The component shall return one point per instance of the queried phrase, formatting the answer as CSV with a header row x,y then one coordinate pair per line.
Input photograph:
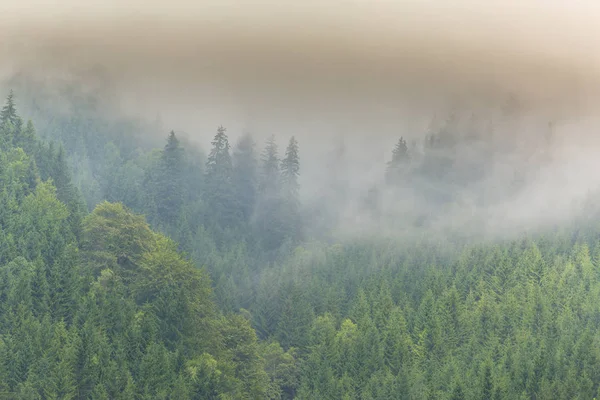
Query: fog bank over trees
x,y
299,200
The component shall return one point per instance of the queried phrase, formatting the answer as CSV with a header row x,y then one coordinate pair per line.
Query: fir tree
x,y
219,164
270,174
487,385
290,170
65,190
457,392
169,193
400,159
219,188
26,139
245,176
271,211
9,111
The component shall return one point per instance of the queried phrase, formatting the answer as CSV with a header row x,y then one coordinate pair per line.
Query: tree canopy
x,y
136,270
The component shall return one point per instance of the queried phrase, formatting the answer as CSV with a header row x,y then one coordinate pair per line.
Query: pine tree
x,y
11,124
61,355
219,188
396,341
457,392
65,190
9,111
271,213
156,372
28,139
61,177
219,164
4,357
109,181
99,393
128,392
63,279
296,316
169,192
290,171
399,162
487,385
245,176
270,177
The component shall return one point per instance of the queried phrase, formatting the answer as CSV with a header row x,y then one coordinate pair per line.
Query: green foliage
x,y
219,190
104,305
9,111
169,192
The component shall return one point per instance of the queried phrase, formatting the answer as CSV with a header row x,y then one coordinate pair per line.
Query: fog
x,y
353,73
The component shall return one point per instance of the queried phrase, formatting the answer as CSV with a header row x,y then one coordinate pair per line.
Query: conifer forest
x,y
141,269
299,200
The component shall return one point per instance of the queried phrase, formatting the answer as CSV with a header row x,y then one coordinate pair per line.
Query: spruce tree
x,y
65,190
219,189
219,165
9,111
270,178
26,139
487,385
290,171
458,392
10,123
271,213
245,176
62,177
400,159
296,316
169,193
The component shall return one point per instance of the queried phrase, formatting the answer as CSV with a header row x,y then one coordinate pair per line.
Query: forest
x,y
133,267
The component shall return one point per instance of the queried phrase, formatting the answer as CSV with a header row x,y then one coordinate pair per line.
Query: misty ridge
x,y
498,126
498,130
471,170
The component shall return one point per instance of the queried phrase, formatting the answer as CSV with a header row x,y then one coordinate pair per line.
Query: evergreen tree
x,y
219,188
397,166
109,183
61,177
219,164
245,177
296,315
290,171
270,174
169,192
26,139
65,190
271,213
487,385
457,392
9,111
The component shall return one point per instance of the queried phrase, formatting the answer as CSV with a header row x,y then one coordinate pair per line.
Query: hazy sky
x,y
355,67
365,70
326,56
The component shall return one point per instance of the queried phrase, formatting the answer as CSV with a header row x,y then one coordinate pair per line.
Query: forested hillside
x,y
130,271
